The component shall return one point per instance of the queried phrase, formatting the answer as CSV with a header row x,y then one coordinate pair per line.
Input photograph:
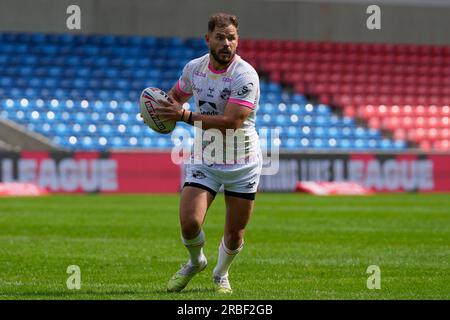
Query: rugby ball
x,y
148,101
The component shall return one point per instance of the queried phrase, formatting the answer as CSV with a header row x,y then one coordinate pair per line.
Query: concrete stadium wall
x,y
402,21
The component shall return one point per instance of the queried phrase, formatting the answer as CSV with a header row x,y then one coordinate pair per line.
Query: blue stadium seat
x,y
292,143
82,88
386,144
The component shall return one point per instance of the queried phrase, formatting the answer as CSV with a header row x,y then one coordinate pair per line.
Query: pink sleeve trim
x,y
242,102
181,90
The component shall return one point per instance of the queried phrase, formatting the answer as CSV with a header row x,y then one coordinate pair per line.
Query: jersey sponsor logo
x,y
250,185
209,113
225,93
200,74
197,174
202,103
196,89
246,89
207,105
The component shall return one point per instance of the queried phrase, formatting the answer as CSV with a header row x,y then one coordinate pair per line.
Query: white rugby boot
x,y
222,284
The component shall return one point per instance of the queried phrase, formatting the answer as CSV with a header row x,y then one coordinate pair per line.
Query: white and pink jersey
x,y
213,89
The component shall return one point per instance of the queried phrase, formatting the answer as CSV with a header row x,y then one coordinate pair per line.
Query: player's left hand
x,y
169,110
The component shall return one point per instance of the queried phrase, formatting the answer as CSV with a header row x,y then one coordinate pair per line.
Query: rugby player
x,y
226,92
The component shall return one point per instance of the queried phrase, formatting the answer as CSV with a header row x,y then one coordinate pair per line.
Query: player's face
x,y
222,43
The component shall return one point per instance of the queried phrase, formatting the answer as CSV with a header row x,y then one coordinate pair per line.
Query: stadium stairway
x,y
81,90
15,137
6,147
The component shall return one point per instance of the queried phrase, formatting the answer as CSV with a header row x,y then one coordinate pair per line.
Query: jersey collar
x,y
211,68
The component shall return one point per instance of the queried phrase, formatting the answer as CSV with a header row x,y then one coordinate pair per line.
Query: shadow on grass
x,y
189,291
95,294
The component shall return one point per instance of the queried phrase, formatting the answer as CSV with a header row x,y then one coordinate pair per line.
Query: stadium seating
x,y
400,89
82,91
428,126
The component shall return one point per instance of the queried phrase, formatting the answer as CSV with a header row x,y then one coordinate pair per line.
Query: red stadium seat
x,y
425,145
350,111
300,87
442,145
374,123
325,99
419,122
407,123
288,46
394,110
405,87
400,134
432,134
391,123
368,111
275,76
407,110
432,122
419,110
444,133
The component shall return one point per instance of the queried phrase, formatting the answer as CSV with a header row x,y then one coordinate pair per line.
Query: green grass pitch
x,y
297,247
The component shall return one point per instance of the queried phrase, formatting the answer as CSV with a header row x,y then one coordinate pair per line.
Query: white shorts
x,y
239,180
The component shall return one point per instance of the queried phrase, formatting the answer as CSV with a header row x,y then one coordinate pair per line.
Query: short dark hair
x,y
221,20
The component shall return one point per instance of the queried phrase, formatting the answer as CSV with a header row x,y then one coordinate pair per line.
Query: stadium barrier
x,y
154,172
105,172
381,172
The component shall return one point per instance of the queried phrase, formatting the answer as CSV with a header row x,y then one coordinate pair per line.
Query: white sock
x,y
225,259
195,248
